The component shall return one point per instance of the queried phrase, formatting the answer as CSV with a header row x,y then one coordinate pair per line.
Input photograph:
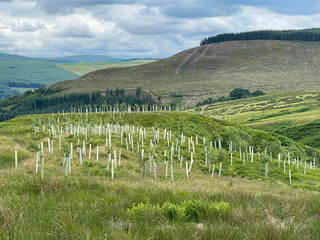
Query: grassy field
x,y
295,115
214,70
88,203
86,67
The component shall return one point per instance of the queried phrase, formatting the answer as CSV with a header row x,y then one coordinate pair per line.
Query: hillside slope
x,y
295,115
150,192
82,68
18,73
214,70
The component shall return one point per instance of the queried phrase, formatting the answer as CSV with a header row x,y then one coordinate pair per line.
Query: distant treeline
x,y
25,85
236,93
312,34
5,90
48,100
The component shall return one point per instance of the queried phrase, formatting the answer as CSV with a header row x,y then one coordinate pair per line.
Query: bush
x,y
188,210
219,209
236,93
174,212
239,93
145,211
194,209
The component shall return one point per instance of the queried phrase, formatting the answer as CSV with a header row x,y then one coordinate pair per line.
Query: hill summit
x,y
311,34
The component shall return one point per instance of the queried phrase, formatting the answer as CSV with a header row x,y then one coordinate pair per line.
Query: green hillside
x,y
94,198
81,68
295,115
14,57
38,72
214,70
18,73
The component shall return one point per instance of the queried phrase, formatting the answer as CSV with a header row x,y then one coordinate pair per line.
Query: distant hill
x,y
14,57
214,70
83,58
18,74
82,68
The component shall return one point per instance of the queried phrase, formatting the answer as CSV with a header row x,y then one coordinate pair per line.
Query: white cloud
x,y
125,30
79,26
21,26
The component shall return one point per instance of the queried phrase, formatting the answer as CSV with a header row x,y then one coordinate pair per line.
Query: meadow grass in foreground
x,y
87,203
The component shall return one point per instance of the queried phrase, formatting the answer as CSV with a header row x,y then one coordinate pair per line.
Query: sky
x,y
140,28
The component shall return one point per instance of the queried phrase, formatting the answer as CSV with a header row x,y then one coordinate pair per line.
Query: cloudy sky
x,y
138,28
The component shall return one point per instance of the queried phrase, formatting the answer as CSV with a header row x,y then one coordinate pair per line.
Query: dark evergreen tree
x,y
312,34
46,100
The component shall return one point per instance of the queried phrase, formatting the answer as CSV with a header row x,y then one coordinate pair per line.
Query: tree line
x,y
48,100
235,94
25,84
312,34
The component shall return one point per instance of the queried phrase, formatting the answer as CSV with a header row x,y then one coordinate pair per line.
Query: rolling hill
x,y
94,195
82,68
214,70
295,114
83,58
18,73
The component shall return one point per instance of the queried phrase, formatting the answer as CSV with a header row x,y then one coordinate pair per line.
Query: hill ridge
x,y
214,70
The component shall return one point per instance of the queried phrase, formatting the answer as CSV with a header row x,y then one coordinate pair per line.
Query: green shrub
x,y
174,212
144,211
194,209
219,209
188,210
